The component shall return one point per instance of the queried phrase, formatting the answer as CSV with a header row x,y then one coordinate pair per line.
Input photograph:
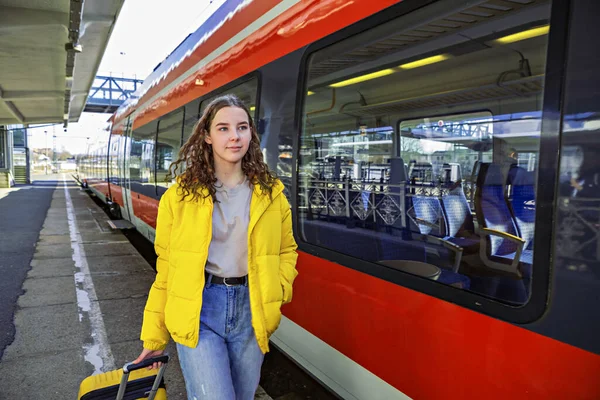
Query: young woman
x,y
226,258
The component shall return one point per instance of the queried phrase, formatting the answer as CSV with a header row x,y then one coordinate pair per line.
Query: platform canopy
x,y
50,51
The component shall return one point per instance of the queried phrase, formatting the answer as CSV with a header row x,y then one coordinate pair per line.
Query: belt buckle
x,y
225,282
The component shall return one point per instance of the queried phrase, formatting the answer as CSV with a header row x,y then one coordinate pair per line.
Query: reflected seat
x,y
501,246
375,246
522,203
460,228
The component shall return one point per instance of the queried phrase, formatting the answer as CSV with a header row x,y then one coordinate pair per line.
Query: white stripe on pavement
x,y
97,353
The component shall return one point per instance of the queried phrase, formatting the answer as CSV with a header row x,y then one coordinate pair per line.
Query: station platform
x,y
75,290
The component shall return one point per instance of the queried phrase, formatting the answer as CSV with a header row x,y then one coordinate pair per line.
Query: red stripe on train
x,y
230,28
117,194
431,349
302,24
426,347
99,185
145,208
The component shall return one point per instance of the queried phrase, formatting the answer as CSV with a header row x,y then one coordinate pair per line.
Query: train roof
x,y
164,72
240,37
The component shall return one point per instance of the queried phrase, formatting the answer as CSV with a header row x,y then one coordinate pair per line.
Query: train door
x,y
141,179
127,211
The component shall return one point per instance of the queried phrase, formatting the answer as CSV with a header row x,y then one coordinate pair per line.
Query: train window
x,y
419,146
141,160
123,147
113,162
167,146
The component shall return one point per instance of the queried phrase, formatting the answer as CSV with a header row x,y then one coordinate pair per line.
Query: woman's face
x,y
229,135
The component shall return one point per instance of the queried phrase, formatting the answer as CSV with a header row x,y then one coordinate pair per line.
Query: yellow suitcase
x,y
132,382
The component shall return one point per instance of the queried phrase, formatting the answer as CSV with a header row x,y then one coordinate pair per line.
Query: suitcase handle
x,y
127,368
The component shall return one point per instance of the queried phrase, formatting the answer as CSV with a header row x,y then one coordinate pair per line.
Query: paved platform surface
x,y
22,214
75,290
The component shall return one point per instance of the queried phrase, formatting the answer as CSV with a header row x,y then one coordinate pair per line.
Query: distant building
x,y
6,145
14,155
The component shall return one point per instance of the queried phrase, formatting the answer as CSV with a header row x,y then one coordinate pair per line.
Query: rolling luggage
x,y
131,382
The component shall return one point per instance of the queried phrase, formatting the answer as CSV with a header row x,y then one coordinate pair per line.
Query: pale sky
x,y
146,32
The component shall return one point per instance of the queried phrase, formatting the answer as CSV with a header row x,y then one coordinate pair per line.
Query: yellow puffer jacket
x,y
183,234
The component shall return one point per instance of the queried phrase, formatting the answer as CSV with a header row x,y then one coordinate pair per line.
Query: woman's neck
x,y
230,175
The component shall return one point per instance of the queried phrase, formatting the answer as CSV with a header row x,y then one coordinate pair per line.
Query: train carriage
x,y
439,157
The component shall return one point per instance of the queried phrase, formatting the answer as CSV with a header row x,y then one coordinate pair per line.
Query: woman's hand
x,y
149,354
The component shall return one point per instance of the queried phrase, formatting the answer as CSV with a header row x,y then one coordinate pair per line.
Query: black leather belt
x,y
242,280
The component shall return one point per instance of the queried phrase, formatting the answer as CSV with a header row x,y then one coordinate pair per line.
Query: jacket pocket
x,y
272,317
270,281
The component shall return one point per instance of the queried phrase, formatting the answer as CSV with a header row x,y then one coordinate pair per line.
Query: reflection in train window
x,y
167,146
570,166
420,143
578,211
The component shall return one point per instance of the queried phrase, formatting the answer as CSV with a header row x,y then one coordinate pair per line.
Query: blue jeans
x,y
225,365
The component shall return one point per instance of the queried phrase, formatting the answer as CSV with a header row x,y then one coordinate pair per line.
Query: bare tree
x,y
410,145
410,148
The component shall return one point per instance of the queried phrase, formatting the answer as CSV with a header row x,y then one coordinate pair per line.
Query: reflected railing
x,y
365,200
579,236
380,203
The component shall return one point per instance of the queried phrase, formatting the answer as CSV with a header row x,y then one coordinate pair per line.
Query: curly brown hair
x,y
197,156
